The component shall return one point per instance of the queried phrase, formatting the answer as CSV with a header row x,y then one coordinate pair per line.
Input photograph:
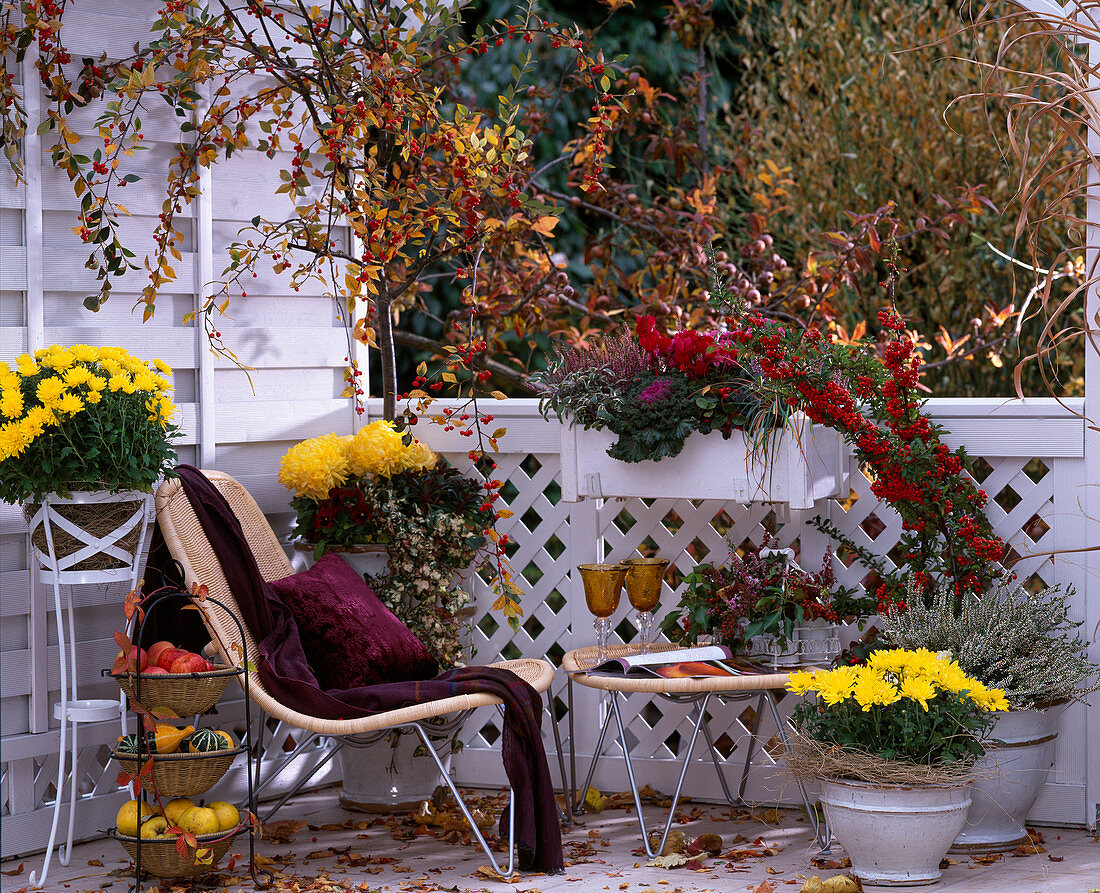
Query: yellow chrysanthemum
x,y
143,381
313,467
419,457
37,420
77,375
800,682
9,379
837,685
13,440
84,353
376,450
70,404
93,396
58,359
121,382
25,365
160,409
872,690
162,367
49,390
11,403
918,688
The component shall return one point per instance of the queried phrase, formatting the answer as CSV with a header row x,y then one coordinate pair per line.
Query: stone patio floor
x,y
314,846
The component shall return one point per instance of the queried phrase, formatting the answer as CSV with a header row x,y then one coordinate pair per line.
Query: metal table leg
x,y
822,835
700,721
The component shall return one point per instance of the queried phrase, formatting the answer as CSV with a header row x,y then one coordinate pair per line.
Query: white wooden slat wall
x,y
291,341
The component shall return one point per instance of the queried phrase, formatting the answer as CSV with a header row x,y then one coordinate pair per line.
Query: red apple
x,y
183,662
157,649
135,662
154,670
168,656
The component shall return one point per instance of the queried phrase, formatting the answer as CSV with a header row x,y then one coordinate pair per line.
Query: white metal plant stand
x,y
59,571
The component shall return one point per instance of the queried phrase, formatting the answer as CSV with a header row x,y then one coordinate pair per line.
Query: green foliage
x,y
855,104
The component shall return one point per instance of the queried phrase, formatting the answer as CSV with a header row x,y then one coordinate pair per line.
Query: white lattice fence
x,y
1033,504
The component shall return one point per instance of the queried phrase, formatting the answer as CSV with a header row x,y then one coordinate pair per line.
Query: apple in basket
x,y
189,662
138,660
168,656
157,649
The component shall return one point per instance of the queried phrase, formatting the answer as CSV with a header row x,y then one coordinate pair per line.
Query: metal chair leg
x,y
302,781
700,720
506,871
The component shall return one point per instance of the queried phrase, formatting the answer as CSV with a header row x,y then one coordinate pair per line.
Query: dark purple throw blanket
x,y
286,675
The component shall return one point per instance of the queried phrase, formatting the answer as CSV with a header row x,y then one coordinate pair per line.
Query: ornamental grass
x,y
903,717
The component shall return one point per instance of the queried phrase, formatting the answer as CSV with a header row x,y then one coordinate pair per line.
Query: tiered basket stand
x,y
188,694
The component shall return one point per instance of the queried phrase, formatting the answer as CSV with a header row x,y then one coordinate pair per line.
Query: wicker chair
x,y
188,544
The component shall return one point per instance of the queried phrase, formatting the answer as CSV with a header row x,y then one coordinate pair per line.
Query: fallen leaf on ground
x,y
987,858
491,874
95,863
1028,849
594,801
839,883
706,843
282,832
16,871
672,860
765,887
831,864
1054,858
771,817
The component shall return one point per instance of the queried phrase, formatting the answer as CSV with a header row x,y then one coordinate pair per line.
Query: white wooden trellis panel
x,y
290,339
1044,497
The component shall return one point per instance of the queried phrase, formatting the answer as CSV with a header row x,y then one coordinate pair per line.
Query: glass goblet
x,y
643,588
603,584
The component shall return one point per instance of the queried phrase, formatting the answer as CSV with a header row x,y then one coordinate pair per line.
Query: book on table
x,y
700,662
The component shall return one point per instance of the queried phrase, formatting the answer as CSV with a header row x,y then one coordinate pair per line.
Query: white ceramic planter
x,y
382,777
895,835
796,468
1008,780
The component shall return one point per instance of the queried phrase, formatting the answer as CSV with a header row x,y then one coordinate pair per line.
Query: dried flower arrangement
x,y
1010,638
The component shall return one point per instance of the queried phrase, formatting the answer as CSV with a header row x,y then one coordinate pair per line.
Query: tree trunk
x,y
389,358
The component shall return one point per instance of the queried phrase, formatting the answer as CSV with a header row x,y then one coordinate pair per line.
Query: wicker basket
x,y
183,694
160,858
182,774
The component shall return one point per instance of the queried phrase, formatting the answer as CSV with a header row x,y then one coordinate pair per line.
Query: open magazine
x,y
682,663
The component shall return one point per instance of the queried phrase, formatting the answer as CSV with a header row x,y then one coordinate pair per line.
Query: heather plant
x,y
1009,638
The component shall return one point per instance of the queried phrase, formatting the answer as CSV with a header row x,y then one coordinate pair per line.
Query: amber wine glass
x,y
603,584
643,588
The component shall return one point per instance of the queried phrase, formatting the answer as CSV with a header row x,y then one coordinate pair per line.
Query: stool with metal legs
x,y
60,571
698,693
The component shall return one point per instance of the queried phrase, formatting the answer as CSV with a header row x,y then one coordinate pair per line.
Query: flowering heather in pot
x,y
374,487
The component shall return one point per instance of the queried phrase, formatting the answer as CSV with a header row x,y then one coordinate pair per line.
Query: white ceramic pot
x,y
369,559
1008,780
767,647
895,835
382,777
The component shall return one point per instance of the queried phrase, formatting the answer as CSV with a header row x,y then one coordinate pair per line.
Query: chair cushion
x,y
349,636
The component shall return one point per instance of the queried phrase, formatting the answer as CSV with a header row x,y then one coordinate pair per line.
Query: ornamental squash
x,y
132,743
205,740
169,738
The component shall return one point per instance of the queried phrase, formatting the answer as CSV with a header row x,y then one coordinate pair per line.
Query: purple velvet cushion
x,y
348,635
